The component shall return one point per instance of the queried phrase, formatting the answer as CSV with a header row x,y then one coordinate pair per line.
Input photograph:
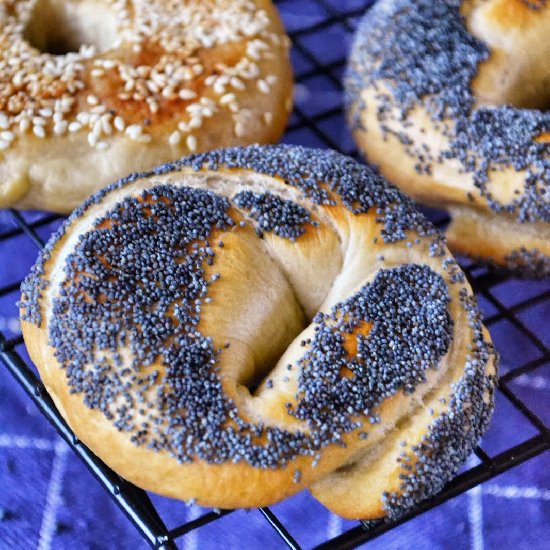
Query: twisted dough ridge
x,y
243,324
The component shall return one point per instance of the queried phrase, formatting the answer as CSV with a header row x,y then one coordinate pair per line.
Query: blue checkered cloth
x,y
48,499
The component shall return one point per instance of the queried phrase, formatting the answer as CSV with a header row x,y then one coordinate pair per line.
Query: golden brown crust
x,y
140,98
515,14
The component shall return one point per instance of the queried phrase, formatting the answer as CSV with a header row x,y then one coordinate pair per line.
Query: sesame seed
x,y
227,98
24,125
119,124
187,94
219,87
84,118
195,122
133,131
191,142
239,129
175,138
237,83
92,139
263,86
97,127
39,131
106,125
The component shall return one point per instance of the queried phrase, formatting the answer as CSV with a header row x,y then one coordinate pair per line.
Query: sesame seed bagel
x,y
240,325
448,98
91,90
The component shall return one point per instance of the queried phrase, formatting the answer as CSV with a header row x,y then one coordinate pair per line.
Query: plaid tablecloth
x,y
49,500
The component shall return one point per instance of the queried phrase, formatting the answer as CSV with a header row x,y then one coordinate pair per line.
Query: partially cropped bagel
x,y
242,324
450,99
91,90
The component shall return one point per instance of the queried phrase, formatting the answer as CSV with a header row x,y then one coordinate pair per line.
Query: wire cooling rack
x,y
321,32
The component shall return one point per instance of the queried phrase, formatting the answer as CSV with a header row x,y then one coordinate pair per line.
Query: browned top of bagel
x,y
148,81
515,14
268,313
155,59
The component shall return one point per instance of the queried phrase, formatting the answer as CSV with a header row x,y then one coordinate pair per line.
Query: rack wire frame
x,y
135,502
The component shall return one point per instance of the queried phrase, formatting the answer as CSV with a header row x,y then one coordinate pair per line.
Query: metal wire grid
x,y
322,16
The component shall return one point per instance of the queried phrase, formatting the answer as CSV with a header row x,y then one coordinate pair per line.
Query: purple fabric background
x,y
49,500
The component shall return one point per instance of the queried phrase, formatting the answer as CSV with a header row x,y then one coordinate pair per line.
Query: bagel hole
x,y
537,100
59,27
253,378
519,89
